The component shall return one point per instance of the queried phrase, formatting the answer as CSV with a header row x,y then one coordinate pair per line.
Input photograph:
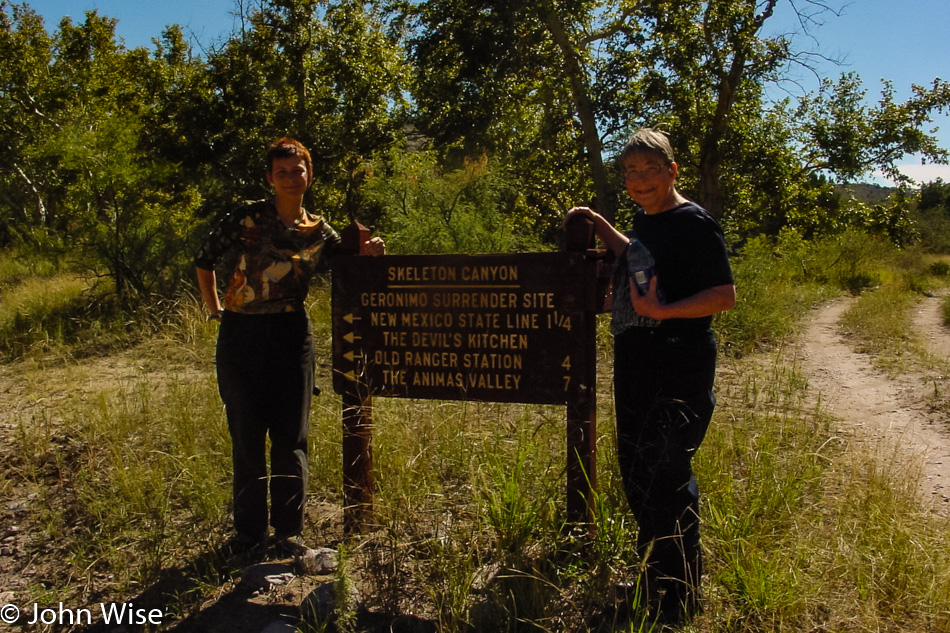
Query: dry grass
x,y
121,468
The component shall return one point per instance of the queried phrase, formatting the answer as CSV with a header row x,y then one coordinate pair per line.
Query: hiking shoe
x,y
244,545
290,546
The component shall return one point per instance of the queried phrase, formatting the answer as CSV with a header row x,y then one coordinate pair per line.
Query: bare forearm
x,y
702,304
209,290
613,239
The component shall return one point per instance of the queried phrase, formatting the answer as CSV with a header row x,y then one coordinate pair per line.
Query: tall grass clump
x,y
761,467
920,272
520,510
775,285
42,312
17,265
468,485
45,306
42,305
806,530
880,323
153,464
896,565
469,525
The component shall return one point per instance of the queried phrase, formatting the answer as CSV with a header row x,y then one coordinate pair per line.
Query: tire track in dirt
x,y
928,321
890,416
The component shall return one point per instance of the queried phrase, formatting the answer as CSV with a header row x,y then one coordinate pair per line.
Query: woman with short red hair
x,y
264,356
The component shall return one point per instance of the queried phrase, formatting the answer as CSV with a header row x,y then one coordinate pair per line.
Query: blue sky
x,y
905,41
140,21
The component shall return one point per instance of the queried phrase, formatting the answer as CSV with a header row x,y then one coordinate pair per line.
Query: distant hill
x,y
868,194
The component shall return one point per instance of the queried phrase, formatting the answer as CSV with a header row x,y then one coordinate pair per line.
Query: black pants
x,y
663,392
265,369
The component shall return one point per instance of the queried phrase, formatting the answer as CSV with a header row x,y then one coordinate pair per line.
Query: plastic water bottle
x,y
639,265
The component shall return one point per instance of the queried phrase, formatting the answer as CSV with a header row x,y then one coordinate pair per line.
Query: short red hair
x,y
287,147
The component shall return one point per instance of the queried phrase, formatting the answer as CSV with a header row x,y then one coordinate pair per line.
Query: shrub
x,y
426,209
939,269
775,284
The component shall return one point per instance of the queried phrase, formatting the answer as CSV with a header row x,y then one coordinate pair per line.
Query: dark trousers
x,y
663,392
265,367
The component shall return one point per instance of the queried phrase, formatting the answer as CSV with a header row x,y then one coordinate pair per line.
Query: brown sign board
x,y
499,328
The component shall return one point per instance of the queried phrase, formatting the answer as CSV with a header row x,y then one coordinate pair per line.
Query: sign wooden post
x,y
582,409
496,328
357,420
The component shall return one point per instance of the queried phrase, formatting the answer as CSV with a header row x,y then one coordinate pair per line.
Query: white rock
x,y
318,562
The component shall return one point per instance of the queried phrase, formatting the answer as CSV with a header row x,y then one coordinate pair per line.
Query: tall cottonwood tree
x,y
704,57
617,64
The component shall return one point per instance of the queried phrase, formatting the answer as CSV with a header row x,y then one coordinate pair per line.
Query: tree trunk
x,y
730,79
584,108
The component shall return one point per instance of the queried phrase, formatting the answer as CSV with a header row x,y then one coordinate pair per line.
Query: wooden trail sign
x,y
498,328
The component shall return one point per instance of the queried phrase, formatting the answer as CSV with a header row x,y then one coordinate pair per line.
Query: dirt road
x,y
891,416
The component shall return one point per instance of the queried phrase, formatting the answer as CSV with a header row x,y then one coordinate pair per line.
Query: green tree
x,y
427,209
27,113
127,223
516,80
803,153
126,216
76,103
175,124
324,72
840,134
935,196
933,213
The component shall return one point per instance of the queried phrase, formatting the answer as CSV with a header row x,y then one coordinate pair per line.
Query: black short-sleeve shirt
x,y
690,256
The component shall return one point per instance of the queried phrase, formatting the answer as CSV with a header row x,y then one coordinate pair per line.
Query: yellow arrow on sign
x,y
351,376
350,356
349,338
349,318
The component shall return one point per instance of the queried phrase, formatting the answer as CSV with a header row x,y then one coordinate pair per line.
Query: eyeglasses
x,y
646,174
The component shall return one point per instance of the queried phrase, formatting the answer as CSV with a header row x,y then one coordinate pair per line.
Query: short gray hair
x,y
648,141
